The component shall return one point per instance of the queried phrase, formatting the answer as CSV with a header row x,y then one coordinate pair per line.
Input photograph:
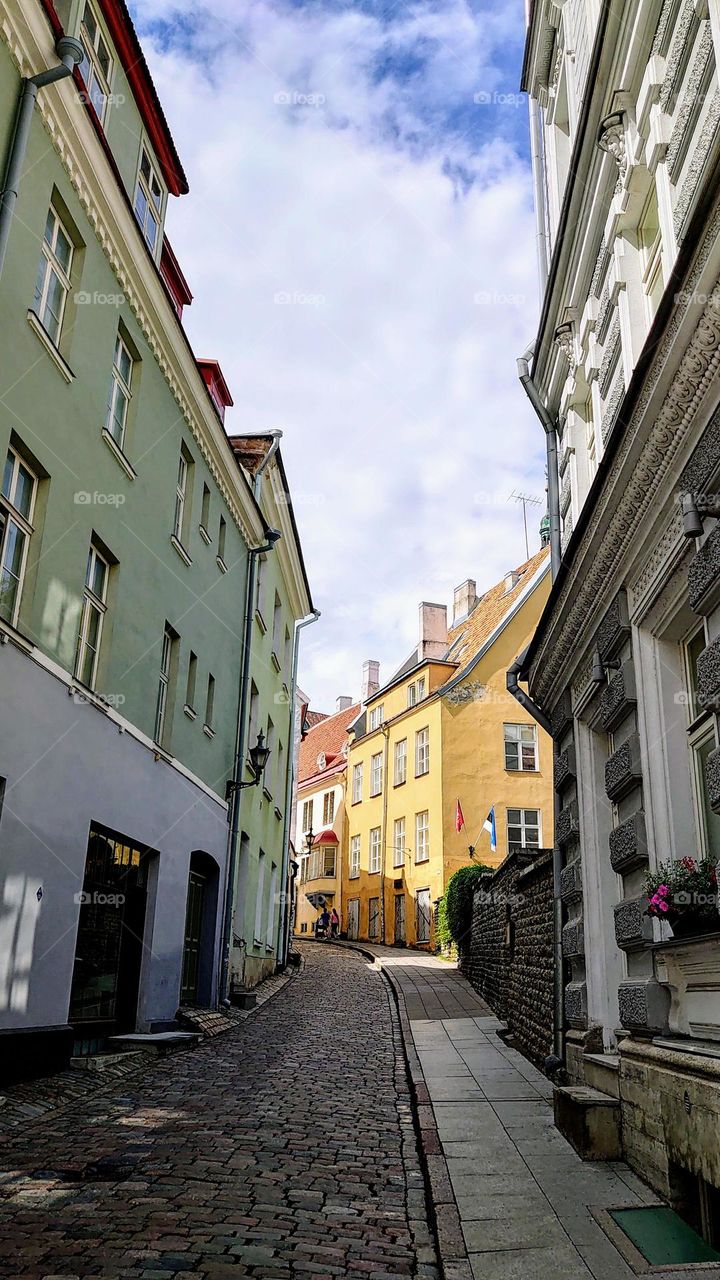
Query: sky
x,y
359,238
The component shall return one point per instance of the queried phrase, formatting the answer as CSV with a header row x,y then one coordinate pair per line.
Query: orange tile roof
x,y
327,738
489,611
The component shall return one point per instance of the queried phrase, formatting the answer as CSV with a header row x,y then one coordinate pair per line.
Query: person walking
x,y
334,923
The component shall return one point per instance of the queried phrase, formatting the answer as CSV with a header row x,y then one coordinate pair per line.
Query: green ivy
x,y
458,899
442,933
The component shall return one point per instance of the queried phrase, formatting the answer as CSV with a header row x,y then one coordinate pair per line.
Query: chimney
x,y
511,580
342,704
370,679
433,631
465,600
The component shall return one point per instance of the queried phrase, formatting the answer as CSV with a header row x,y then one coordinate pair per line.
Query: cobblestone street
x,y
285,1148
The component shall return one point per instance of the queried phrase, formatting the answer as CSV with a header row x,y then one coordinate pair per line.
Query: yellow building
x,y
444,730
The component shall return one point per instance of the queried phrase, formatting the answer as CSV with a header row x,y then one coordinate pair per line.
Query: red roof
x,y
172,274
325,739
216,385
325,837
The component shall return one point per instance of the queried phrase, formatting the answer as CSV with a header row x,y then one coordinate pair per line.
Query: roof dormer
x,y
216,385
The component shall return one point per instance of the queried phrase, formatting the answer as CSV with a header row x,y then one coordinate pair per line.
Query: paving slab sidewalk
x,y
513,1199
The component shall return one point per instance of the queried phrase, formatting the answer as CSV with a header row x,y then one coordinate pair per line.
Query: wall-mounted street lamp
x,y
259,756
695,509
601,666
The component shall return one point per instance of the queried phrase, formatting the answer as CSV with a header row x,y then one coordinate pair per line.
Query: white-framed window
x,y
92,617
148,201
374,918
376,774
702,741
416,692
357,783
96,66
181,495
120,392
422,752
400,762
399,842
222,533
422,836
191,681
161,704
650,247
523,828
328,808
590,438
377,717
210,702
260,898
375,854
272,901
16,512
205,511
307,816
354,860
521,748
53,278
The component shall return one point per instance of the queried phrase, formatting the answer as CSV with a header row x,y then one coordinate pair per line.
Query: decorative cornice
x,y
653,574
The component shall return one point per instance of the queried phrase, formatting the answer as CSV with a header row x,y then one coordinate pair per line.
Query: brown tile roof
x,y
489,611
327,737
315,717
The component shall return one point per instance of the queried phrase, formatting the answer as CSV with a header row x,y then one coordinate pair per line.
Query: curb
x,y
443,1213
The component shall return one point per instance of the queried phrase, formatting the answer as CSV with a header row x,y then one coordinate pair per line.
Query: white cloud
x,y
392,368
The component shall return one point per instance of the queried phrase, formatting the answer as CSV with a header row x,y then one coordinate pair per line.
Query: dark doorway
x,y
399,919
109,948
199,940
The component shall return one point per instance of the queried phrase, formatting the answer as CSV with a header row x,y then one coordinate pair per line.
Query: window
x,y
277,627
400,770
53,278
161,706
120,392
377,717
590,439
210,702
205,510
357,787
374,918
148,201
521,754
260,586
16,512
376,774
375,849
523,828
191,681
222,527
182,496
399,842
303,926
96,66
650,246
272,896
354,867
328,808
260,898
701,742
307,816
416,692
422,915
422,752
91,618
422,836
328,861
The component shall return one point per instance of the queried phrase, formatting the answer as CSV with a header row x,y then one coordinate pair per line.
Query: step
x,y
160,1042
602,1071
590,1120
107,1061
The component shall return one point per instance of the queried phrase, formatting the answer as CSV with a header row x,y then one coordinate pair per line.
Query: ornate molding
x,y
689,106
659,44
611,139
610,355
472,691
654,572
565,342
680,42
611,408
602,262
700,154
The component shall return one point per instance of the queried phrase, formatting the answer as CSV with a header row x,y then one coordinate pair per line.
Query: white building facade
x,y
625,116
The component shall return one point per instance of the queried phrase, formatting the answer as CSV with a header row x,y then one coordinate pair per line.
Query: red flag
x,y
459,819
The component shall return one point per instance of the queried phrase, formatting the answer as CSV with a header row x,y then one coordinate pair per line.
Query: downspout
x,y
284,921
70,52
550,427
241,734
526,702
537,159
383,833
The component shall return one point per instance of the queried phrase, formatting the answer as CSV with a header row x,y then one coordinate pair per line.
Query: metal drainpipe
x,y
383,833
283,933
70,52
241,739
550,427
538,170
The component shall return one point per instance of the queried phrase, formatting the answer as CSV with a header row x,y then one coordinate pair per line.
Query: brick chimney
x,y
370,679
342,703
464,600
433,631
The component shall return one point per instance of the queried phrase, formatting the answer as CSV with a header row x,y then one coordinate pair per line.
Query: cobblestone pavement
x,y
283,1149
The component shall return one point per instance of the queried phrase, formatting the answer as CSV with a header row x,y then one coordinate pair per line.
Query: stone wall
x,y
509,958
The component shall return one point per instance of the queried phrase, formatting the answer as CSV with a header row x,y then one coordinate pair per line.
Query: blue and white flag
x,y
489,825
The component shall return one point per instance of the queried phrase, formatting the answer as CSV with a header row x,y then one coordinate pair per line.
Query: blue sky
x,y
359,238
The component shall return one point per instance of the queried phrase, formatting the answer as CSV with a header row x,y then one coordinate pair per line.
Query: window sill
x,y
260,621
521,771
275,661
399,784
161,753
41,332
10,633
267,794
180,550
278,813
209,733
204,534
354,802
424,774
118,454
221,564
190,712
420,862
81,693
374,794
353,875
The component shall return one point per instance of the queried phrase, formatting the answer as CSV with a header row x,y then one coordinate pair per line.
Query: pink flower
x,y
663,889
663,906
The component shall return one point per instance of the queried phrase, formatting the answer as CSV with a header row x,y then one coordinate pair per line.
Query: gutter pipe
x,y
550,427
71,53
284,921
241,732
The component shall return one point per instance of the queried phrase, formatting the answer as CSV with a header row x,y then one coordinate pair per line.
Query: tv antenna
x,y
528,500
